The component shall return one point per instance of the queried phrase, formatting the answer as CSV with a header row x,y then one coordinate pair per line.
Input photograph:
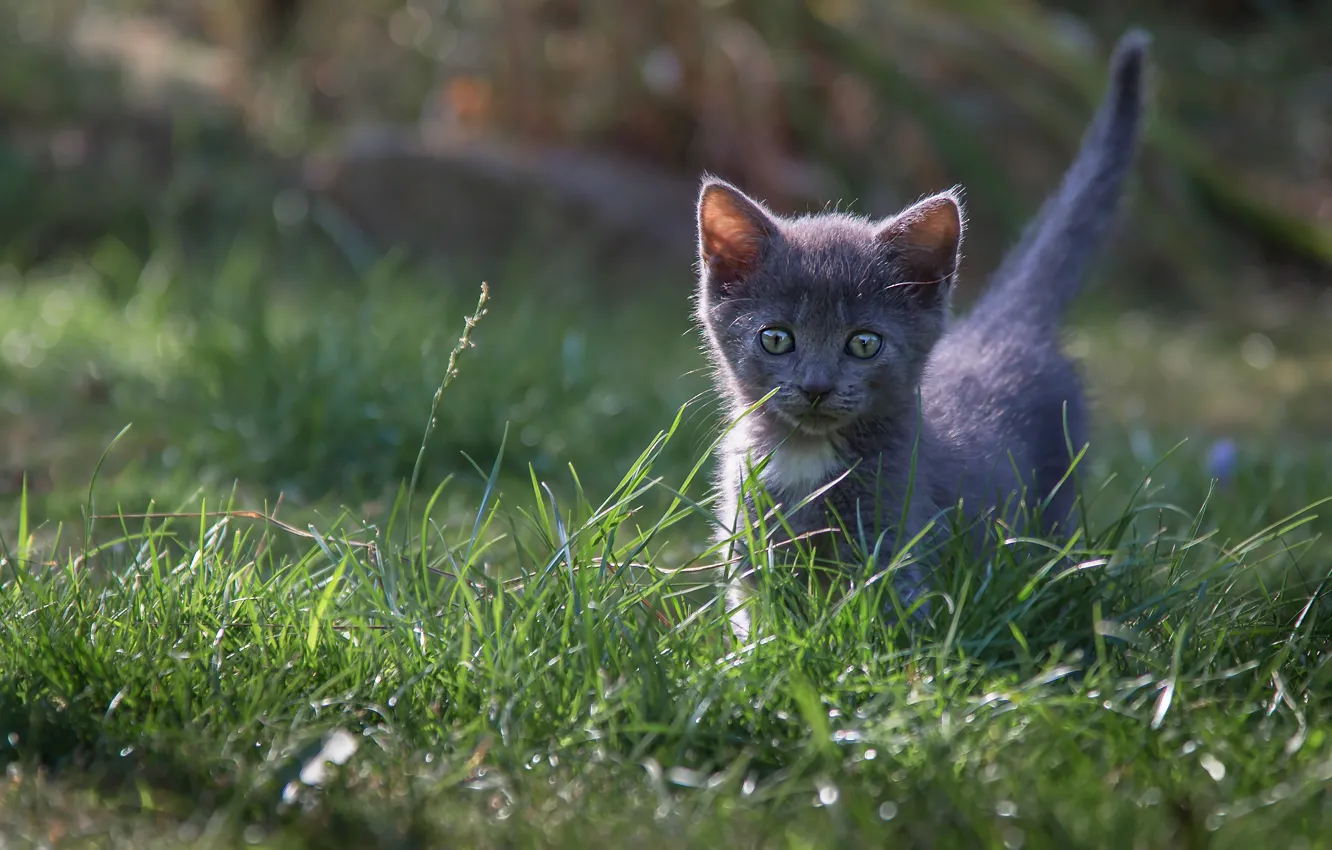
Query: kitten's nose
x,y
816,391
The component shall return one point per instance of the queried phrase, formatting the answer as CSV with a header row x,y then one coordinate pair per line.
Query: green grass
x,y
532,656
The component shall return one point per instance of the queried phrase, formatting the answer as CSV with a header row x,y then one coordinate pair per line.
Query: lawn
x,y
299,648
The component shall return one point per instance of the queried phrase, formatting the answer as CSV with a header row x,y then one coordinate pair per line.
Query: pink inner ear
x,y
731,233
730,239
929,235
934,225
939,227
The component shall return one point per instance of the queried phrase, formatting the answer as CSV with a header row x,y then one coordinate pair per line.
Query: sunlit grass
x,y
499,675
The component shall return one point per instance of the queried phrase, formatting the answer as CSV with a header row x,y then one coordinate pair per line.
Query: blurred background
x,y
252,228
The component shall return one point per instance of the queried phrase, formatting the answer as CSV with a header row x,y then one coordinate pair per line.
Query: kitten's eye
x,y
776,340
864,345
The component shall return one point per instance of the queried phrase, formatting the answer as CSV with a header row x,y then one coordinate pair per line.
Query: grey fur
x,y
983,411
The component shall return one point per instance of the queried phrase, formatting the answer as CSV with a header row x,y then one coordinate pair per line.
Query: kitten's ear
x,y
927,239
733,232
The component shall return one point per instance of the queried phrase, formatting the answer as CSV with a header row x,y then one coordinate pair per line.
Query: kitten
x,y
886,411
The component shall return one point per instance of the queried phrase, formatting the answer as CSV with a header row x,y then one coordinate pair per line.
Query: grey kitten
x,y
883,408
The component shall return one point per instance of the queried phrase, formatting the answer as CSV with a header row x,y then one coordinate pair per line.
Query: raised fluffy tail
x,y
1044,271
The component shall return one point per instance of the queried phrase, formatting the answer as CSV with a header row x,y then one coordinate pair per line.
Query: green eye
x,y
776,340
864,345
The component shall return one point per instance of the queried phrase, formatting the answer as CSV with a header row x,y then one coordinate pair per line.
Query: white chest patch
x,y
801,469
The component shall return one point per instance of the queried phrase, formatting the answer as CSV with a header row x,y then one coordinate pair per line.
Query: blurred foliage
x,y
802,101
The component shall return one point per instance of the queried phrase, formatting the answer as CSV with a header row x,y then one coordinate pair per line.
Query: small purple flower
x,y
1221,459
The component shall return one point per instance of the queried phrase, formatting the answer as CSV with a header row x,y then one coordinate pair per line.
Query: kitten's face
x,y
835,313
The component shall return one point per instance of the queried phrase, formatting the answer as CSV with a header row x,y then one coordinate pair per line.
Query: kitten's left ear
x,y
926,238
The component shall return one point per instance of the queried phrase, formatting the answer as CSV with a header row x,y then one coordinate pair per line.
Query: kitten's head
x,y
837,313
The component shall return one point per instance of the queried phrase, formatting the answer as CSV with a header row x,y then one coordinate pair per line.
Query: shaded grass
x,y
311,382
311,386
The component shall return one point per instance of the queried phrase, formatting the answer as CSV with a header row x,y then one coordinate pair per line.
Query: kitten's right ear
x,y
927,239
733,232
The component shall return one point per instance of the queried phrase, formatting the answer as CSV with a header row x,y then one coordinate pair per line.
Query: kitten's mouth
x,y
816,420
813,420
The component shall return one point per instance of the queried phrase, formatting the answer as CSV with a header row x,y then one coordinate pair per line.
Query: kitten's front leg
x,y
736,573
739,596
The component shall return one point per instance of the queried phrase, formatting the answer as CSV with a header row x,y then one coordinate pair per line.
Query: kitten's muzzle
x,y
816,391
811,412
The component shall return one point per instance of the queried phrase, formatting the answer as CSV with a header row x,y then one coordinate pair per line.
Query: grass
x,y
531,655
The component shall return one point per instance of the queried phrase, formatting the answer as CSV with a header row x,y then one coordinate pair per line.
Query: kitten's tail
x,y
1043,272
